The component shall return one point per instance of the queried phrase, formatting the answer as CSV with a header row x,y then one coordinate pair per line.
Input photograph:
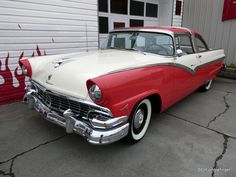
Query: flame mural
x,y
9,92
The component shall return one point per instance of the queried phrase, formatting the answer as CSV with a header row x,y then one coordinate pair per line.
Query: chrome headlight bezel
x,y
95,92
24,70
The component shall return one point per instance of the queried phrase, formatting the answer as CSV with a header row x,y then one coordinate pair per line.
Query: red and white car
x,y
111,93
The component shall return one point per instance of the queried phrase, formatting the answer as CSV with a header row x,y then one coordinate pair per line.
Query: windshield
x,y
157,43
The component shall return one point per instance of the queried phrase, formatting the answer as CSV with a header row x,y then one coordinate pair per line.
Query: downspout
x,y
182,17
172,13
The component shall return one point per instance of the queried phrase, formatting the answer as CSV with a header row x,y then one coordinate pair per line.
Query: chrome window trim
x,y
143,30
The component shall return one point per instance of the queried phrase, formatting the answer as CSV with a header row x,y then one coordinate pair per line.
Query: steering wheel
x,y
154,47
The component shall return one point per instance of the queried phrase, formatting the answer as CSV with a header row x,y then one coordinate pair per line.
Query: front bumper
x,y
116,128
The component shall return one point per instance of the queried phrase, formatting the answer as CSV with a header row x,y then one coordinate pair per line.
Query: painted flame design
x,y
8,92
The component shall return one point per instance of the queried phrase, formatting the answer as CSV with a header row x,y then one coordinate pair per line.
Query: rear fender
x,y
217,68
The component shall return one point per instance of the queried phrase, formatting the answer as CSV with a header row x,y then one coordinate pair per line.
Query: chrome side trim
x,y
210,62
167,64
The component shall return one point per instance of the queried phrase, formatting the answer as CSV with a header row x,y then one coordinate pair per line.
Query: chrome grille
x,y
60,103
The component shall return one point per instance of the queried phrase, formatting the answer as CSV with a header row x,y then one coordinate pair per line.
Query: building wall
x,y
205,16
46,27
165,12
164,16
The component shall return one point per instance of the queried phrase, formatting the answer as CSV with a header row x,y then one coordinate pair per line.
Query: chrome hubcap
x,y
138,119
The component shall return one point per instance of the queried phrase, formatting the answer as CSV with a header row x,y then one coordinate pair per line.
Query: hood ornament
x,y
59,62
48,79
49,76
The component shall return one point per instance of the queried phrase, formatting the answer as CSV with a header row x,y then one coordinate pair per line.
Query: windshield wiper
x,y
113,48
133,49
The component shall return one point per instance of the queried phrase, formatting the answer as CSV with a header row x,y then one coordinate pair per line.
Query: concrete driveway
x,y
189,140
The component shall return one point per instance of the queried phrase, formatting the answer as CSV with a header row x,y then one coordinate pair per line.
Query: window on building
x,y
103,25
136,8
200,44
184,43
118,25
151,10
136,23
178,7
103,6
119,6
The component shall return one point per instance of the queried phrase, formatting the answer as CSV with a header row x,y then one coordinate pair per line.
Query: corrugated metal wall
x,y
165,13
205,16
41,27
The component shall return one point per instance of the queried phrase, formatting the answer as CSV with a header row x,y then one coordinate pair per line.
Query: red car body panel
x,y
122,90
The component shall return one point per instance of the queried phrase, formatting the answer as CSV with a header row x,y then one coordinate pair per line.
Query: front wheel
x,y
139,121
206,86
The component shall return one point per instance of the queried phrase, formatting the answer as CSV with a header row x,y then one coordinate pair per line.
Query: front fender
x,y
123,90
125,107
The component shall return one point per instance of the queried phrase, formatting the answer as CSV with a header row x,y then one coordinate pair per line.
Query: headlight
x,y
95,92
24,70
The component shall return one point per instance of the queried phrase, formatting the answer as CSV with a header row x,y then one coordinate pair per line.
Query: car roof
x,y
167,29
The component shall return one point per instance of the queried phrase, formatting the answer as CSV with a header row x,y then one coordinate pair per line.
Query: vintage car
x,y
109,94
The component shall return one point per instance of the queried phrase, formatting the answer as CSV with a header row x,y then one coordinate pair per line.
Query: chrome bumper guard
x,y
116,128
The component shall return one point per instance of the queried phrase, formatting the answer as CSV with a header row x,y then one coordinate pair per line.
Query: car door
x,y
203,57
184,74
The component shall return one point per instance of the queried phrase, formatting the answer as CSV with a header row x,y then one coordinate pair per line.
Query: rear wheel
x,y
206,86
139,121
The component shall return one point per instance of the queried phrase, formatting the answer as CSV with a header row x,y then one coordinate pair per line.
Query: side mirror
x,y
179,52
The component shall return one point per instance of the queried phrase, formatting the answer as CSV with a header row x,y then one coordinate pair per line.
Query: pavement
x,y
194,138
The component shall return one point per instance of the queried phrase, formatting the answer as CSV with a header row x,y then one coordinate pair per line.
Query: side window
x,y
184,43
140,42
120,41
200,44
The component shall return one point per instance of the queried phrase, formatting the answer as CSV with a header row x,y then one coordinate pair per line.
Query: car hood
x,y
68,73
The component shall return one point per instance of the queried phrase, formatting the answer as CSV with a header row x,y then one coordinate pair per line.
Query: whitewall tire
x,y
206,86
139,121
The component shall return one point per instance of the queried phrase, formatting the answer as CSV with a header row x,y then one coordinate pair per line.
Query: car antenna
x,y
86,33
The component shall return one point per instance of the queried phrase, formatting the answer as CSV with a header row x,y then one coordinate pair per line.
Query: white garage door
x,y
45,27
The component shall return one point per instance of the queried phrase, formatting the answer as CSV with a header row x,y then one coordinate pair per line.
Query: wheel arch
x,y
127,107
155,99
156,102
